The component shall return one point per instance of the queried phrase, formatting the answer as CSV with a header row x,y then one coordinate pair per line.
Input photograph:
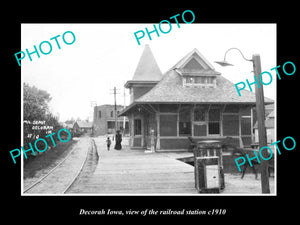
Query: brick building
x,y
104,120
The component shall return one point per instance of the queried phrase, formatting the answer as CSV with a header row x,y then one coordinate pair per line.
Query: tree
x,y
35,108
35,103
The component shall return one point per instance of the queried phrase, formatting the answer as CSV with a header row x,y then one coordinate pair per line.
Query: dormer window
x,y
189,80
204,81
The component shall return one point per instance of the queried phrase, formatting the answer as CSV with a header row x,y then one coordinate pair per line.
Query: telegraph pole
x,y
115,108
116,122
124,121
260,110
93,104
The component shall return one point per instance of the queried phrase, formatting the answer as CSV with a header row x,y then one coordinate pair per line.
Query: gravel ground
x,y
40,166
248,185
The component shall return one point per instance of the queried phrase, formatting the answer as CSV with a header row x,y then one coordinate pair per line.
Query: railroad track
x,y
59,179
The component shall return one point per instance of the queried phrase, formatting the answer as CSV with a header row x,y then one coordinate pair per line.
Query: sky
x,y
105,56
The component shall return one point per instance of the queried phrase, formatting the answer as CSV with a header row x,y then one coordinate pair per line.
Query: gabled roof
x,y
147,68
195,64
170,88
194,54
271,115
68,125
84,124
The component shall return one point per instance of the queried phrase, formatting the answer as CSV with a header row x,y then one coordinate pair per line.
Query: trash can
x,y
209,148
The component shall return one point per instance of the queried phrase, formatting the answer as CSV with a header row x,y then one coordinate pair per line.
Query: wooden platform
x,y
135,172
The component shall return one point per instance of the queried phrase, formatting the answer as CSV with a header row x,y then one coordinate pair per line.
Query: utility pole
x,y
124,121
115,108
94,115
260,110
116,121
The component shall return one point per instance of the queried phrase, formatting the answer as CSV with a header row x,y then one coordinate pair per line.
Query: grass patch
x,y
48,159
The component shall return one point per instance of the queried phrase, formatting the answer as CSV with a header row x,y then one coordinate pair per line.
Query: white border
x,y
198,195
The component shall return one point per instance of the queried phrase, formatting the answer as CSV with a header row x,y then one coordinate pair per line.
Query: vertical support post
x,y
177,124
260,110
124,121
115,96
158,130
143,131
240,128
252,134
132,130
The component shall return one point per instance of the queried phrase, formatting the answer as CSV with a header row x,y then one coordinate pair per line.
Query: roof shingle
x,y
147,68
171,90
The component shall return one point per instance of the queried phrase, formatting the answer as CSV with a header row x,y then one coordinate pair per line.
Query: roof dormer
x,y
196,71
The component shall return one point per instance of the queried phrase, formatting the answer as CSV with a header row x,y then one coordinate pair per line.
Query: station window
x,y
199,114
168,125
214,121
137,127
200,80
231,125
185,121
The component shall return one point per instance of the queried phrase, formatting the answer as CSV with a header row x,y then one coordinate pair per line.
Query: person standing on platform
x,y
118,139
108,143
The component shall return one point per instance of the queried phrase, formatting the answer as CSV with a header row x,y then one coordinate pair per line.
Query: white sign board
x,y
212,176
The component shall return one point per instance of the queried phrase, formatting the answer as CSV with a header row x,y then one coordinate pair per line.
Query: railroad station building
x,y
191,99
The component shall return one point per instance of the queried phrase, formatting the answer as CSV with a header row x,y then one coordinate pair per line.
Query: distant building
x,y
69,126
104,120
270,128
83,126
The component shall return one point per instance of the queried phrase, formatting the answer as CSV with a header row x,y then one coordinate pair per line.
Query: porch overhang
x,y
141,83
135,104
125,111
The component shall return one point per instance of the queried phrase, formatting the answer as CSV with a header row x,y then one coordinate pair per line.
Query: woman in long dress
x,y
118,139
